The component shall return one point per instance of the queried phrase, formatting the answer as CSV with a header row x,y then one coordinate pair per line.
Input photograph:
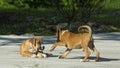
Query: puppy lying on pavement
x,y
82,40
33,48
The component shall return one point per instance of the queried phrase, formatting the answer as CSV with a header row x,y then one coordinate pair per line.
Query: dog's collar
x,y
64,31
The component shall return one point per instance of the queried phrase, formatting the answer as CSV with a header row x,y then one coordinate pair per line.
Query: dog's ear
x,y
58,34
39,40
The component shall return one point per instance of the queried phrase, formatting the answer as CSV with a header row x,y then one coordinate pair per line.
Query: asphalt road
x,y
108,44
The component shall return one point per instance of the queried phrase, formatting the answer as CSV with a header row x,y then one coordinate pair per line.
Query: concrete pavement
x,y
107,43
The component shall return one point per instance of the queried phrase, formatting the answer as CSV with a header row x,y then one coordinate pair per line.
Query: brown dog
x,y
71,41
32,48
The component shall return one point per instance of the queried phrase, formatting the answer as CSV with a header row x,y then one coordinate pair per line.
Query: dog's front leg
x,y
65,53
55,45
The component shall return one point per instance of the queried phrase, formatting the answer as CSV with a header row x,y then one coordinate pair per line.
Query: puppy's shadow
x,y
101,59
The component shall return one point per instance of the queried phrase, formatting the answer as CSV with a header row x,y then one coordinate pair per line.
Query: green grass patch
x,y
35,21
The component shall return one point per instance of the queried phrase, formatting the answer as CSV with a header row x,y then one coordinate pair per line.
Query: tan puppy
x,y
32,48
71,41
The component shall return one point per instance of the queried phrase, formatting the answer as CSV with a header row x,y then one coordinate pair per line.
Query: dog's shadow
x,y
101,59
53,56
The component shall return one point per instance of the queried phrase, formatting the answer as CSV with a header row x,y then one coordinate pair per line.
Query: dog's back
x,y
68,36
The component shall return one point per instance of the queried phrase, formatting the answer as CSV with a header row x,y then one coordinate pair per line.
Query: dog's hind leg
x,y
91,44
92,47
67,51
97,54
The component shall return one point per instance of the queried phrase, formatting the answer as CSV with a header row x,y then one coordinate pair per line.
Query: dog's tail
x,y
87,27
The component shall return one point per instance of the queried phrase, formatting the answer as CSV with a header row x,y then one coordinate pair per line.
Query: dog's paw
x,y
41,55
82,60
61,57
44,55
34,56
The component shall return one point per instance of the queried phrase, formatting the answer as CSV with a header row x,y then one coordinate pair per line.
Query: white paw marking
x,y
44,55
81,60
34,56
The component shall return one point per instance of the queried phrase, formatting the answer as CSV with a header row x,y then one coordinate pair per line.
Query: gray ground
x,y
108,44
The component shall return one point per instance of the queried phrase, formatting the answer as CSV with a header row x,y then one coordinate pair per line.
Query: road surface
x,y
107,43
